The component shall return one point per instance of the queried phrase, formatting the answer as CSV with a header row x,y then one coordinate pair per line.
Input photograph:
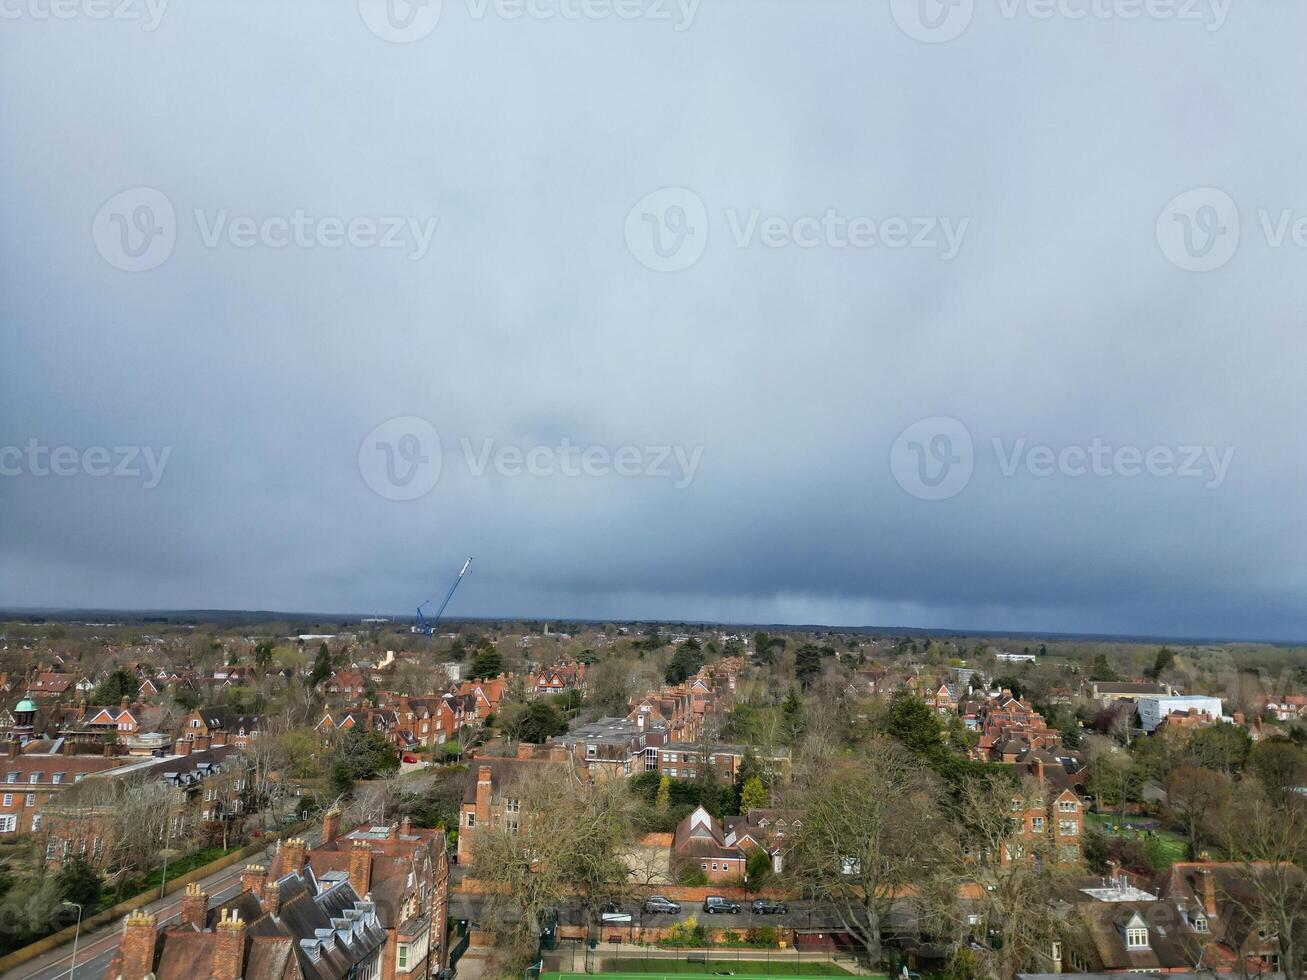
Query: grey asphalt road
x,y
804,915
95,949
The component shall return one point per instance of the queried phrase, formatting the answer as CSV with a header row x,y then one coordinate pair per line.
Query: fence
x,y
597,956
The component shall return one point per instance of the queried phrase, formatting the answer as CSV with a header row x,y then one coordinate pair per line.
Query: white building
x,y
1153,709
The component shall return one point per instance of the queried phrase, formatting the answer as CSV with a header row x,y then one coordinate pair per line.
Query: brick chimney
x,y
360,867
1039,769
292,855
229,953
272,898
195,906
139,937
254,878
202,743
485,784
331,825
405,826
183,746
1208,884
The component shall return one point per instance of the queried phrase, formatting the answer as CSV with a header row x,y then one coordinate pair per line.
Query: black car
x,y
715,903
660,903
762,906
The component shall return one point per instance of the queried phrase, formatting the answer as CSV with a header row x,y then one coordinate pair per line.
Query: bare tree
x,y
1267,835
1000,879
870,831
567,837
1194,794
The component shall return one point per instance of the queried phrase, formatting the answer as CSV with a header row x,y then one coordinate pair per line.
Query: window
x,y
1068,828
11,777
672,772
401,956
9,799
34,777
1037,824
58,777
1200,924
671,756
8,823
471,819
31,799
1068,806
513,806
1136,938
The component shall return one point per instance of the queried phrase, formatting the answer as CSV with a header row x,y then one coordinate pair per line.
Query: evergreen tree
x,y
753,796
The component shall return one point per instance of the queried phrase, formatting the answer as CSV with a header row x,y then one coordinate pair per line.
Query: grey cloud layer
x,y
526,320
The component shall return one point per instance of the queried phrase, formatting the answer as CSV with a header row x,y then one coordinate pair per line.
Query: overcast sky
x,y
809,311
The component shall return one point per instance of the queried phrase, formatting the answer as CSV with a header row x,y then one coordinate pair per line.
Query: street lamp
x,y
76,935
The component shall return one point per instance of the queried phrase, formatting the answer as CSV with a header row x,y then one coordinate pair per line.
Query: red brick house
x,y
292,928
403,870
700,842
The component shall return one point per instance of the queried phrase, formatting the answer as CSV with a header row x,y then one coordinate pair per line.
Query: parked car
x,y
410,758
715,903
612,914
762,906
661,903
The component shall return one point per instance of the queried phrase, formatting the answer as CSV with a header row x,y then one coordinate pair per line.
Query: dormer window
x,y
1200,924
1136,938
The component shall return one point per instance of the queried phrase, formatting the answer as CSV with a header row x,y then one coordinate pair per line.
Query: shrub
x,y
693,877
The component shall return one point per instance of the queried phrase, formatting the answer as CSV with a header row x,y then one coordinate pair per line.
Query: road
x,y
802,915
95,949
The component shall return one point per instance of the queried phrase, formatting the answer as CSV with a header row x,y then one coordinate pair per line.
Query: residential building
x,y
237,729
700,842
204,784
1153,708
34,774
294,927
490,798
403,870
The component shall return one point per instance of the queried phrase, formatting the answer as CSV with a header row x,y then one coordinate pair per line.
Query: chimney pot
x,y
139,939
195,906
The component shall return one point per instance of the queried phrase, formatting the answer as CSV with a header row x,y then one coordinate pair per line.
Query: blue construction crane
x,y
428,626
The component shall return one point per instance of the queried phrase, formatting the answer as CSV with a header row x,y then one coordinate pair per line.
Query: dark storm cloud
x,y
520,308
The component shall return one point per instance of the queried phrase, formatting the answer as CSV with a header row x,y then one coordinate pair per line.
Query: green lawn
x,y
1168,847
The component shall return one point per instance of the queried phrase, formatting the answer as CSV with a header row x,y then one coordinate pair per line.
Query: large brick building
x,y
296,927
34,774
402,870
